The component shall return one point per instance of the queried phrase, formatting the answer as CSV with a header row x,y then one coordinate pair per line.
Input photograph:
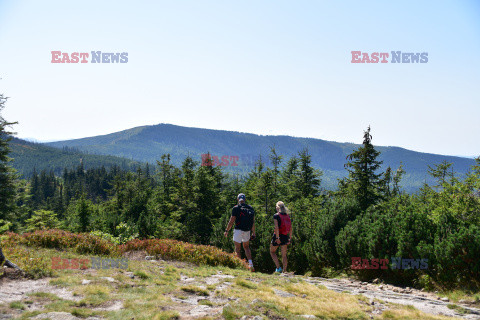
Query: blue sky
x,y
265,67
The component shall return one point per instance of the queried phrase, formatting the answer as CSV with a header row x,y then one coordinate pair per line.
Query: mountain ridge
x,y
148,143
55,141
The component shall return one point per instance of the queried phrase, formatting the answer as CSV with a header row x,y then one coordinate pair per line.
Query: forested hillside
x,y
30,157
148,143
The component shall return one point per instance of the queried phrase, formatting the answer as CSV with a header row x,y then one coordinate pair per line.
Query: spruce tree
x,y
7,173
309,177
276,160
363,183
84,213
289,188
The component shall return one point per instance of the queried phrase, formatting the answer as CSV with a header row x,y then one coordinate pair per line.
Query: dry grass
x,y
148,295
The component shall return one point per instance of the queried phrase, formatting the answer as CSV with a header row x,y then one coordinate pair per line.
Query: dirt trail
x,y
191,307
426,302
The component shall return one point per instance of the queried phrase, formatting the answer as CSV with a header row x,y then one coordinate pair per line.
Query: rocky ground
x,y
424,301
192,305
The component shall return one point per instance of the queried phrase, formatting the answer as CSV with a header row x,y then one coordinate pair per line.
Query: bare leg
x,y
284,258
246,247
238,249
273,253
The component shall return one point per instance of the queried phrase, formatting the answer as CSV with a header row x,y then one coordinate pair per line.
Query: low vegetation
x,y
28,250
162,289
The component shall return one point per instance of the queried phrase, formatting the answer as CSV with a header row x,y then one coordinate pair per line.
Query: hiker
x,y
243,216
281,236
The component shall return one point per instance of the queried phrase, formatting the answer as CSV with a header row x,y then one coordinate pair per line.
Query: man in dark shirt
x,y
243,216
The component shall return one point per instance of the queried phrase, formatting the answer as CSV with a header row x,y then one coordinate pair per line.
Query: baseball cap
x,y
241,196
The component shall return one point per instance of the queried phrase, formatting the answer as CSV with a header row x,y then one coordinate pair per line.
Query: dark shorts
x,y
284,238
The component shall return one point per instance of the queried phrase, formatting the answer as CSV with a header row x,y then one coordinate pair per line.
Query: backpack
x,y
246,217
286,224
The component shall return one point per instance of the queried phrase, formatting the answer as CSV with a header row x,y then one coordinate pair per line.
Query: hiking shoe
x,y
278,270
252,269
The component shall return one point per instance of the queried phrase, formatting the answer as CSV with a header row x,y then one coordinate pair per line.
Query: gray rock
x,y
304,296
283,293
149,257
85,281
56,316
200,311
186,279
257,318
190,300
109,279
445,299
308,316
255,301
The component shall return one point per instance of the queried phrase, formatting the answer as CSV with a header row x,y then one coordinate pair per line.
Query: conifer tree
x,y
290,180
309,177
443,173
83,212
7,173
276,160
363,181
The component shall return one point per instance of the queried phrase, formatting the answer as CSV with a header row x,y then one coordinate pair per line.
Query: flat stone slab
x,y
283,294
60,316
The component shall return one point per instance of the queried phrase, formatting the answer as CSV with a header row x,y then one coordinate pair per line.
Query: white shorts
x,y
241,236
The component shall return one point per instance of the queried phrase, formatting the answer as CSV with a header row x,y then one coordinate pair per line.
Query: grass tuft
x,y
17,305
196,290
141,274
246,284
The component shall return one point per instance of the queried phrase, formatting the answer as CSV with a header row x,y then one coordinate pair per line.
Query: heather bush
x,y
34,263
82,243
182,251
